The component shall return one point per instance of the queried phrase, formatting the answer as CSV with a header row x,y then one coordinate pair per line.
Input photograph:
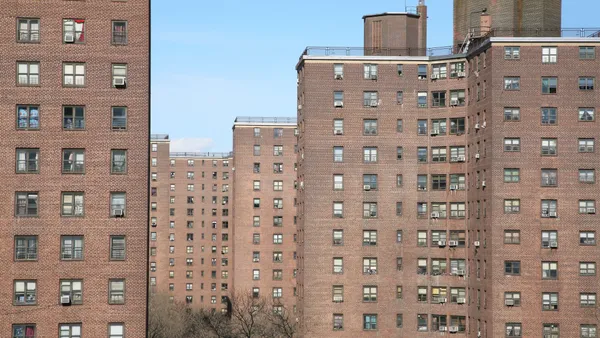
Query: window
x,y
421,127
438,154
586,114
512,53
73,30
422,321
399,97
116,330
370,99
28,73
587,53
399,180
512,237
70,330
119,75
511,175
457,210
25,292
277,132
338,99
256,274
26,248
338,209
457,154
549,85
370,72
422,72
549,54
512,114
422,182
439,71
119,32
369,237
549,178
74,74
278,203
512,298
586,83
338,265
422,99
438,127
587,206
549,147
116,291
117,204
27,160
512,144
369,182
369,293
370,127
439,208
277,257
370,155
338,182
370,266
587,238
72,204
588,330
438,99
277,274
587,299
549,239
24,331
278,150
28,117
457,69
457,98
549,208
73,289
28,30
587,268
26,204
338,71
549,301
71,248
369,210
338,127
586,145
338,237
74,118
118,161
422,154
370,322
512,267
338,154
338,322
117,248
512,83
549,116
399,153
119,118
549,270
513,330
277,238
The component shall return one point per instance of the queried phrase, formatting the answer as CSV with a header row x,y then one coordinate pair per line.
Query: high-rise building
x,y
75,125
517,18
190,213
433,195
264,212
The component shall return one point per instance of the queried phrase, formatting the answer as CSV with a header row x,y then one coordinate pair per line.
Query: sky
x,y
213,60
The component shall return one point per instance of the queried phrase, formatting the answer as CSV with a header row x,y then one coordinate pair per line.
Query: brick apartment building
x,y
75,123
190,215
433,197
220,222
264,213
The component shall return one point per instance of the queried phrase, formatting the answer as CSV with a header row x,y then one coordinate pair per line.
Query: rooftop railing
x,y
199,154
159,136
258,119
366,51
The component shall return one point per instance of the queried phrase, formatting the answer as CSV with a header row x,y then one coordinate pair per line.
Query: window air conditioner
x,y
119,81
366,187
460,300
435,215
118,212
552,214
554,244
477,156
453,186
299,106
591,210
441,243
435,131
476,125
434,76
461,158
65,300
339,76
69,37
374,103
476,243
461,74
483,183
460,272
442,300
338,104
452,243
442,329
338,132
509,302
454,102
453,329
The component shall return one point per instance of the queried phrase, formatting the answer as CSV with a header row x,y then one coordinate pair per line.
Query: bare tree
x,y
207,323
283,323
166,319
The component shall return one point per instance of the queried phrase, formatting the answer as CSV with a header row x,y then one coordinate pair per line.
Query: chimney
x,y
422,11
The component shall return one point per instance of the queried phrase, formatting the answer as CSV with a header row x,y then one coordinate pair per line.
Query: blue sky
x,y
213,60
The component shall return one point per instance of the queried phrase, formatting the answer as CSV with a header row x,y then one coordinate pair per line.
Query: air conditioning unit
x,y
509,302
460,301
591,210
421,188
552,214
441,243
435,215
461,74
442,329
65,300
119,81
154,225
69,37
477,156
338,132
338,104
373,77
338,327
476,125
452,243
453,186
453,329
434,76
483,124
366,187
435,131
373,214
460,272
454,102
374,103
476,243
339,76
483,183
299,106
461,158
554,244
118,213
